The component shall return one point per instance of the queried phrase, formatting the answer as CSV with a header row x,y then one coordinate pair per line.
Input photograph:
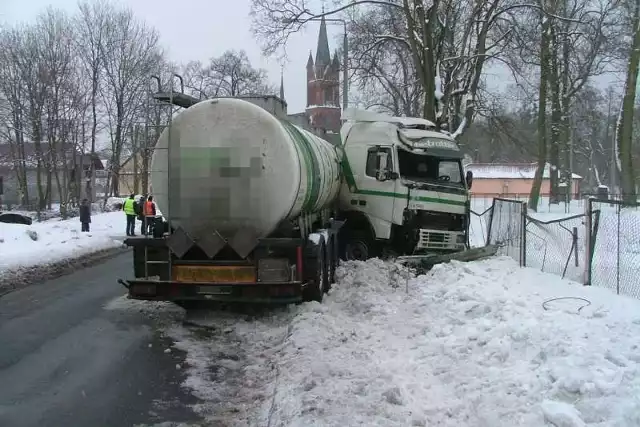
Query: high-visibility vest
x,y
148,208
128,207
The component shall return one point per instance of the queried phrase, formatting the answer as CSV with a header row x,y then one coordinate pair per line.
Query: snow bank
x,y
467,345
55,240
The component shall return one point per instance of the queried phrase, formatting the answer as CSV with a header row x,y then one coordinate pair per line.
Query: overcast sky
x,y
200,29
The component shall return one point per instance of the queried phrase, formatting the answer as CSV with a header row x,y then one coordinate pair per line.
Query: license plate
x,y
214,274
214,290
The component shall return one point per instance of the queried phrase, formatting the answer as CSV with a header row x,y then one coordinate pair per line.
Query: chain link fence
x,y
614,246
506,228
557,246
600,247
478,227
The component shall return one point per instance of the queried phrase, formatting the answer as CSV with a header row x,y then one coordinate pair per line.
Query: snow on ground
x,y
56,240
467,345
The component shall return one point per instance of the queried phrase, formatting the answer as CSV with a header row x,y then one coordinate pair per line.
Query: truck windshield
x,y
423,168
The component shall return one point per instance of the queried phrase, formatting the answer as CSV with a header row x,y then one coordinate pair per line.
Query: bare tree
x,y
129,54
624,134
443,38
230,74
91,24
14,111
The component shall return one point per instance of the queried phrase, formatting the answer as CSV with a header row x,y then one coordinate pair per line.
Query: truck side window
x,y
372,161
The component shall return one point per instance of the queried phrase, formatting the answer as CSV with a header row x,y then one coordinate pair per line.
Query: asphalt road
x,y
67,361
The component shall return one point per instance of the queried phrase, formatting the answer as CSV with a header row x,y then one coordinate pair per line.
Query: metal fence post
x,y
619,213
491,213
587,239
574,244
523,238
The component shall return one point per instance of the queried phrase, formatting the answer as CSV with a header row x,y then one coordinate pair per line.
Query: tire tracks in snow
x,y
231,362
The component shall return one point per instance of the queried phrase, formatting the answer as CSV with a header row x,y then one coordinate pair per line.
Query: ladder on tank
x,y
169,102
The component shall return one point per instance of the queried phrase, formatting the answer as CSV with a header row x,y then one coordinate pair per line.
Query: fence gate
x,y
614,246
507,228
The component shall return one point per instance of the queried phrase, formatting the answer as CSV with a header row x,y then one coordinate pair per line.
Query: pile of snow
x,y
55,240
469,344
466,345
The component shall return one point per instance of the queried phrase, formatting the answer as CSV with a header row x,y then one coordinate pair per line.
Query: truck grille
x,y
433,239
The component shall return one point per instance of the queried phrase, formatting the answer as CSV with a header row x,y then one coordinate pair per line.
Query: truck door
x,y
376,197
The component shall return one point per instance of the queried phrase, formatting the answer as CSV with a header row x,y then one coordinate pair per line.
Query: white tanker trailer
x,y
260,210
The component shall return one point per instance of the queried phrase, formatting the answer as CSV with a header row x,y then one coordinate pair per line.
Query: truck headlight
x,y
461,238
274,270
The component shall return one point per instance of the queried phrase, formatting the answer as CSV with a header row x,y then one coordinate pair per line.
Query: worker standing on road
x,y
85,215
139,207
129,210
149,215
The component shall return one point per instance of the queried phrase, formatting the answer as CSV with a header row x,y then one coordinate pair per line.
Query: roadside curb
x,y
19,278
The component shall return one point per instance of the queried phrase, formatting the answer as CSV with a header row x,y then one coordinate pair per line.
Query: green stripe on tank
x,y
312,166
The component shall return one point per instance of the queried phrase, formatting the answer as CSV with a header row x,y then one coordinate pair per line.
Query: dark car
x,y
15,218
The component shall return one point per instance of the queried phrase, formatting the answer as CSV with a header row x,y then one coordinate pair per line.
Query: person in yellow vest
x,y
149,212
129,209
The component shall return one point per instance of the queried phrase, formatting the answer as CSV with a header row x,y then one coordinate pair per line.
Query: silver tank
x,y
233,167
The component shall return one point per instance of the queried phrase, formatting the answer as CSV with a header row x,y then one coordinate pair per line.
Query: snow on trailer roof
x,y
508,171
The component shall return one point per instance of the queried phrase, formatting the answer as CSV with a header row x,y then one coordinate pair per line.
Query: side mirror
x,y
469,179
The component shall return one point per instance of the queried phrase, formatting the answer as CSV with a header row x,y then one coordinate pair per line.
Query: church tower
x,y
323,87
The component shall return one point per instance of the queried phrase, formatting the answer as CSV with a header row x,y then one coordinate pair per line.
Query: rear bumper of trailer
x,y
254,293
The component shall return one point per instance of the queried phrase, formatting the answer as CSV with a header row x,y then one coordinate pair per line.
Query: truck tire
x,y
316,272
357,246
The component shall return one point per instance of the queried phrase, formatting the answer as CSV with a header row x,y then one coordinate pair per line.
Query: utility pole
x,y
345,68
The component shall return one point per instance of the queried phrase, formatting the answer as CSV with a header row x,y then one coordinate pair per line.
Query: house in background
x,y
78,166
511,179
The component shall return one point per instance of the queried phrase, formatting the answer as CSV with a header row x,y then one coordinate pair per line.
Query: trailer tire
x,y
316,272
333,257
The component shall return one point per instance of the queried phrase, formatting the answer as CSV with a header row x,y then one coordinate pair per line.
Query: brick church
x,y
323,111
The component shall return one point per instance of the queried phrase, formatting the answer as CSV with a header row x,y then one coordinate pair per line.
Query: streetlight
x,y
345,56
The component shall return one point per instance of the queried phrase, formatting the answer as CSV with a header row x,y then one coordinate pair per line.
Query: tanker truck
x,y
259,210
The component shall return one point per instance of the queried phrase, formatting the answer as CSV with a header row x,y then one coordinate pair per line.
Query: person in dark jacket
x,y
139,212
85,215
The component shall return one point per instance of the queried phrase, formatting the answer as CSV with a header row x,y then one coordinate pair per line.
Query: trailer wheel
x,y
316,271
332,261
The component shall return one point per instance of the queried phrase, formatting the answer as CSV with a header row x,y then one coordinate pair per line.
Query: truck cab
x,y
404,187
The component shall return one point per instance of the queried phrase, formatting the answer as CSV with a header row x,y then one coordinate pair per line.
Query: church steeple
x,y
323,55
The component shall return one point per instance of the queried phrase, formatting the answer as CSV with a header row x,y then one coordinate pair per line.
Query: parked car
x,y
15,218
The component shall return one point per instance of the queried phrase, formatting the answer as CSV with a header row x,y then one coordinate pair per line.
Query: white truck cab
x,y
403,185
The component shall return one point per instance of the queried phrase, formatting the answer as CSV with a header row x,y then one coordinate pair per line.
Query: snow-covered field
x,y
55,240
478,344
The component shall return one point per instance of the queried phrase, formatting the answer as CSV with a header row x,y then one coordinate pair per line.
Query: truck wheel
x,y
316,272
357,247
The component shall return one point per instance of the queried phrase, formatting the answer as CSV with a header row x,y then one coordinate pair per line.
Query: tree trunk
x,y
625,119
534,196
556,118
